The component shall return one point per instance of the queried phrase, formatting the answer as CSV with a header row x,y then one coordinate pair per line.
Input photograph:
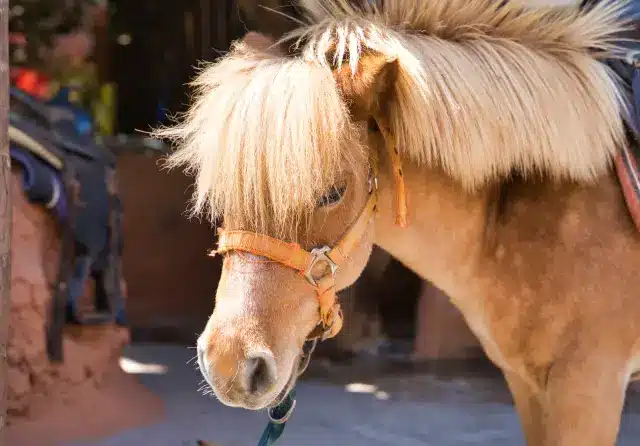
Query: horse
x,y
474,141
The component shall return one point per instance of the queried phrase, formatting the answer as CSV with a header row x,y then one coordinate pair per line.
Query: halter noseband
x,y
293,256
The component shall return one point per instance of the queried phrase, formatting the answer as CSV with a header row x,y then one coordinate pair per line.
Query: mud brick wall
x,y
89,352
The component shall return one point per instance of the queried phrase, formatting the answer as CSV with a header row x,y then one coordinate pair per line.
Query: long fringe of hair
x,y
265,137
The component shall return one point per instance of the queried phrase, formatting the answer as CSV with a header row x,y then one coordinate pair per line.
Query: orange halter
x,y
319,265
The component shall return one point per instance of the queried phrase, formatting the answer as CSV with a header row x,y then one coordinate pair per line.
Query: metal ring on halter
x,y
306,357
321,332
319,255
284,418
326,334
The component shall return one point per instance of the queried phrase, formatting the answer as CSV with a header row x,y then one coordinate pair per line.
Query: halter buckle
x,y
289,400
319,255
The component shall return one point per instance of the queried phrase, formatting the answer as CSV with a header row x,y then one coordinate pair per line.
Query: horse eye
x,y
333,196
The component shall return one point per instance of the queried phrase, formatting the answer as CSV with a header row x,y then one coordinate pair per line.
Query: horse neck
x,y
443,240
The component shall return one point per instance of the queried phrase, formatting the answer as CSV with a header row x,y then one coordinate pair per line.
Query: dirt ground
x,y
121,402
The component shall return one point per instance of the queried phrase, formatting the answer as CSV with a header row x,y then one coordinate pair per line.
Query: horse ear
x,y
366,90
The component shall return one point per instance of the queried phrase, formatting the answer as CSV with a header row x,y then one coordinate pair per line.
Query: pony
x,y
474,141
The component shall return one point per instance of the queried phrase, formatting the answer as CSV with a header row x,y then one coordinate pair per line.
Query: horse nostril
x,y
260,373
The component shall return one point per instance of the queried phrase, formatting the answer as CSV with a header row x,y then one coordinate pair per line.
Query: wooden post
x,y
5,213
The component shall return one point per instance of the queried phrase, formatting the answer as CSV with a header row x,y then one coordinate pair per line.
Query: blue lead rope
x,y
278,417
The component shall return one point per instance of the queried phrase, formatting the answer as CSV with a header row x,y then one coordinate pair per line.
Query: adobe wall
x,y
38,389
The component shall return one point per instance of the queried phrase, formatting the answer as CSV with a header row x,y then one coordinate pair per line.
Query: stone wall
x,y
91,353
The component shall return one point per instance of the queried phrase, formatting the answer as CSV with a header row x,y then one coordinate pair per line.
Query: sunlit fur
x,y
483,87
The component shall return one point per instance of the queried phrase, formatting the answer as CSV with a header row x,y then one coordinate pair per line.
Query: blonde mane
x,y
266,136
483,87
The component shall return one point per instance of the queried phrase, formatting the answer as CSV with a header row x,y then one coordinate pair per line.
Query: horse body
x,y
524,261
523,255
493,127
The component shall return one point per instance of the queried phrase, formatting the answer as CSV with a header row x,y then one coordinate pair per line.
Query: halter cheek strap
x,y
398,173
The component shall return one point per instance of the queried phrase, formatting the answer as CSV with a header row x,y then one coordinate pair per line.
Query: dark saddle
x,y
627,161
74,178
